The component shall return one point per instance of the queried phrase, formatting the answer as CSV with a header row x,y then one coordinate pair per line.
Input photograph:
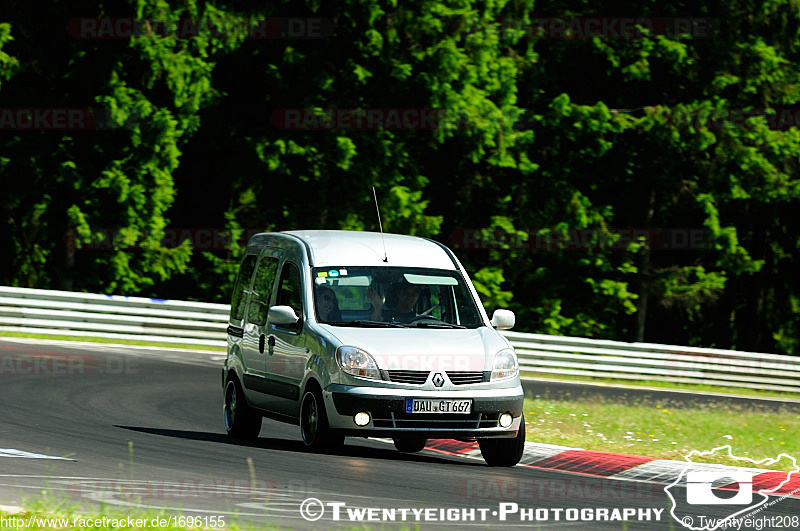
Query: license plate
x,y
418,405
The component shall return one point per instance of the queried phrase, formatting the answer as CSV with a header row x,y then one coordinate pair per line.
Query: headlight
x,y
357,362
505,365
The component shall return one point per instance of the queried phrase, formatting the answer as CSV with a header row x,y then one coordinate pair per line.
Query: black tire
x,y
241,421
314,429
410,446
504,452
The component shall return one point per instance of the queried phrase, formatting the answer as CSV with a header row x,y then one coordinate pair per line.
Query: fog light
x,y
361,419
506,420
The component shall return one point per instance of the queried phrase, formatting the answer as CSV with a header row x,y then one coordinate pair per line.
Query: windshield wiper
x,y
428,324
377,324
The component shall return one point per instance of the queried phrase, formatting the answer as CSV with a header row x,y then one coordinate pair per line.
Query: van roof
x,y
356,248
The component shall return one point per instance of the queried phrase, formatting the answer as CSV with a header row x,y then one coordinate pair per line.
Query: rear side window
x,y
242,282
291,293
262,290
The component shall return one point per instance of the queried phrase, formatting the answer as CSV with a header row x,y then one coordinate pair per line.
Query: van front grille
x,y
420,377
445,421
465,377
409,377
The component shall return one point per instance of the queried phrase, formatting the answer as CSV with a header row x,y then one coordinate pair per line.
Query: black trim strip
x,y
256,383
282,390
280,417
235,331
261,384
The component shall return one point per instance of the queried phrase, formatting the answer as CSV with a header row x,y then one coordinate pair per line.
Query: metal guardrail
x,y
65,313
574,356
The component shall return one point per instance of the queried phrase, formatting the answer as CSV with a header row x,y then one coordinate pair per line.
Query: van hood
x,y
417,349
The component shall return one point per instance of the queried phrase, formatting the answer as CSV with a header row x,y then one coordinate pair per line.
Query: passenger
x,y
403,309
327,306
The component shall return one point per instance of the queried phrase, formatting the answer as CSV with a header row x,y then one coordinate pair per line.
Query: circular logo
x,y
312,509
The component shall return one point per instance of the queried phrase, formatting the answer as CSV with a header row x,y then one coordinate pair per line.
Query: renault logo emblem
x,y
438,379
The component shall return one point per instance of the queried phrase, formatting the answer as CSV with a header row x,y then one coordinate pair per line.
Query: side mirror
x,y
503,319
282,315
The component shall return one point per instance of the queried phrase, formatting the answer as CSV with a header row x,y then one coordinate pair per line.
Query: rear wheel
x,y
241,421
410,446
317,434
504,452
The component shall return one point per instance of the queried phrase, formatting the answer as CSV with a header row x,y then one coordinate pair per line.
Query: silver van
x,y
361,334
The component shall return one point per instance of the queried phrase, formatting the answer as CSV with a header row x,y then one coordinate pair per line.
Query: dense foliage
x,y
633,177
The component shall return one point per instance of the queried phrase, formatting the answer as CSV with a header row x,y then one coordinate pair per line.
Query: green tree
x,y
68,191
564,168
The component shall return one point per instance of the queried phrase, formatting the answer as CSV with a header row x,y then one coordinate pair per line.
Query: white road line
x,y
11,452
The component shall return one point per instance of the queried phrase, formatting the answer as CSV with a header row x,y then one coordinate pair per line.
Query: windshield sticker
x,y
322,274
333,273
320,280
343,272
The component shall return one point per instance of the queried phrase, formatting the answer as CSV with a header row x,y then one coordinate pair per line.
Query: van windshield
x,y
393,296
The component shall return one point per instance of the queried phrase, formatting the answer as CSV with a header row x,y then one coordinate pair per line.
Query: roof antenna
x,y
375,195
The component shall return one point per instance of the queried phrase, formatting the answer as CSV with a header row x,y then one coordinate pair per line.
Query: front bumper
x,y
389,418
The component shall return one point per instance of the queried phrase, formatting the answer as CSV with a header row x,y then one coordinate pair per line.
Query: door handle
x,y
261,343
271,343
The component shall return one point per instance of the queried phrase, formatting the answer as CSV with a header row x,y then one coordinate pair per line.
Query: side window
x,y
262,290
290,293
242,282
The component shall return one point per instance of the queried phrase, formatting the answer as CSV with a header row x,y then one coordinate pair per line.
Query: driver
x,y
404,309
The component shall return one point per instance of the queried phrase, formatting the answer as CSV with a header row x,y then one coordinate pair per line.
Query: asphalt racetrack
x,y
143,428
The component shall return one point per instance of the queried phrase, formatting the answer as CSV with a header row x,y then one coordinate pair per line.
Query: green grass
x,y
50,512
755,393
665,430
134,342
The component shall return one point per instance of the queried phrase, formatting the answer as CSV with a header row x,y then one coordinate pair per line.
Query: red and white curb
x,y
619,466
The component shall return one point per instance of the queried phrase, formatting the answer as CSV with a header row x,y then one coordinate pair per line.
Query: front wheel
x,y
410,446
241,421
504,452
317,434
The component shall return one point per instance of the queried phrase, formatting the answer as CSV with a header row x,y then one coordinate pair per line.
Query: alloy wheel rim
x,y
230,405
310,419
